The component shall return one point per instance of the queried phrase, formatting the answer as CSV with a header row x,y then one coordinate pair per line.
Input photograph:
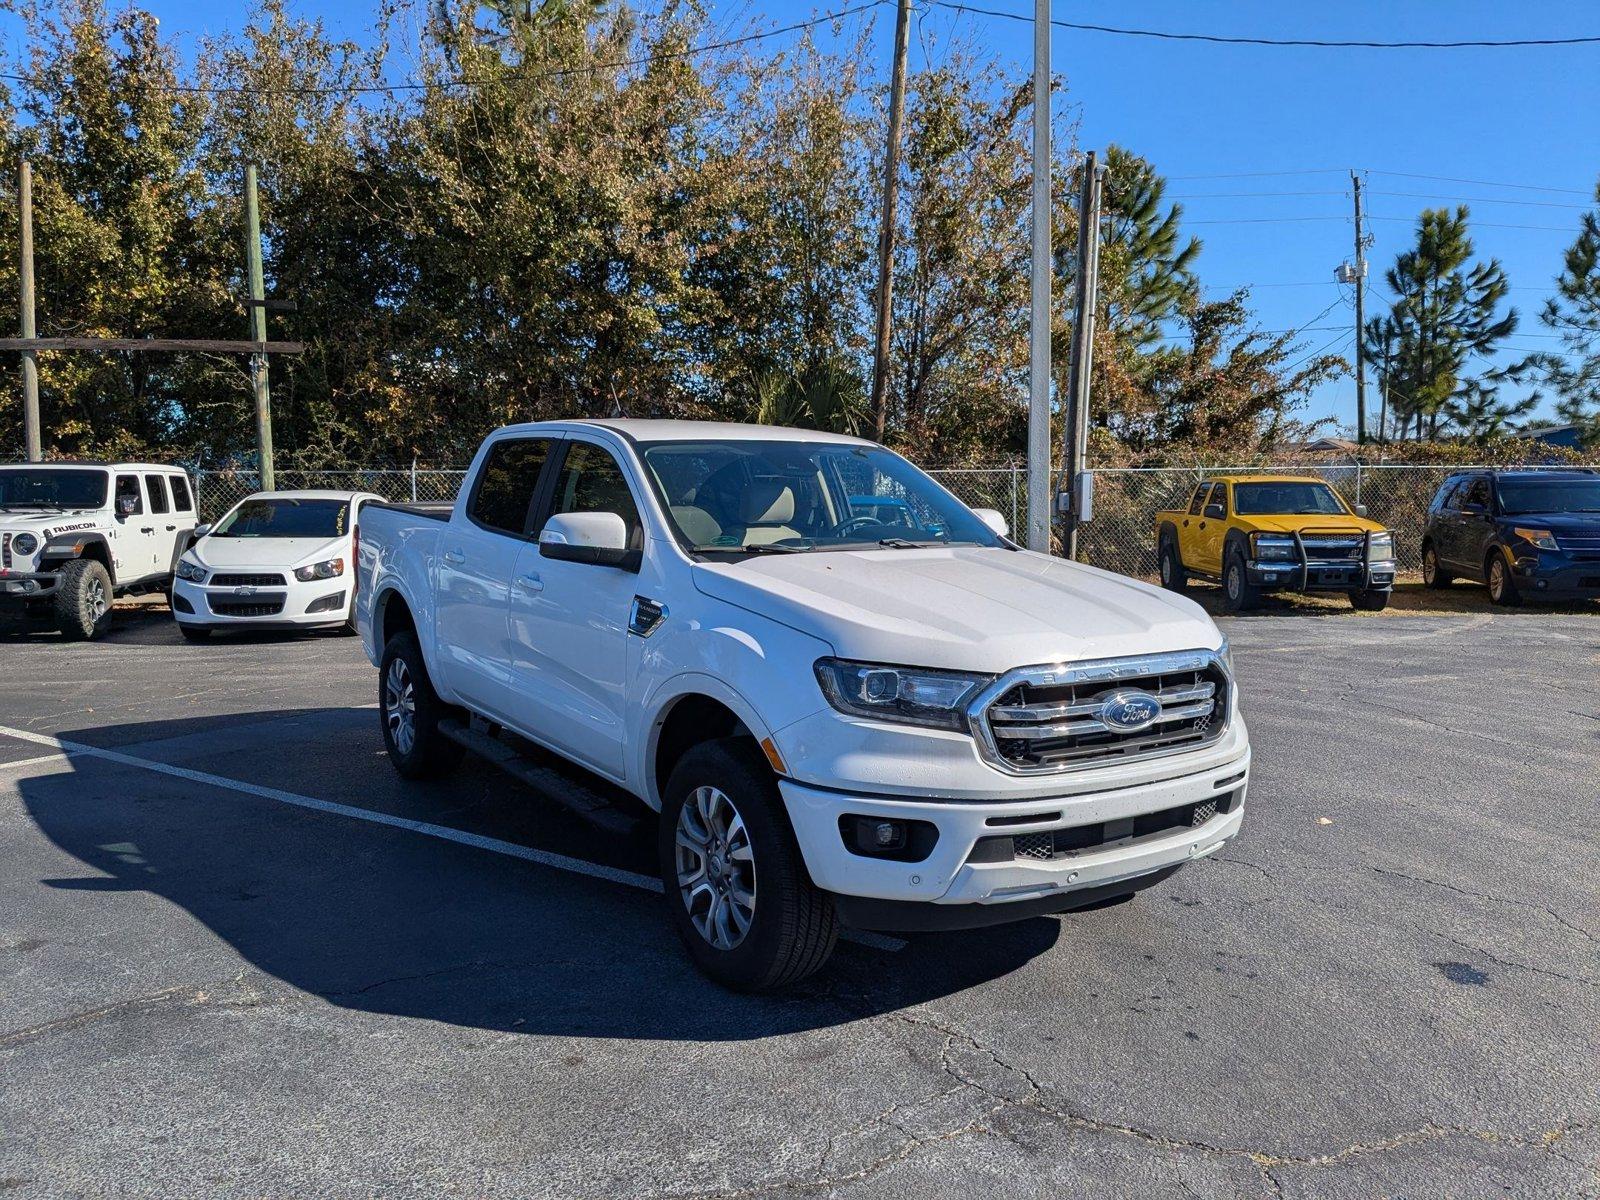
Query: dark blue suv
x,y
1523,533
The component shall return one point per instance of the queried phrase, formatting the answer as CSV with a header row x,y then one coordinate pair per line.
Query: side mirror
x,y
992,518
1474,510
600,538
1361,510
1213,512
127,506
200,531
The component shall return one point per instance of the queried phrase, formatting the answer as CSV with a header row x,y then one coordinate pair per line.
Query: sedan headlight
x,y
25,543
330,569
191,571
1380,547
1541,538
1273,547
904,695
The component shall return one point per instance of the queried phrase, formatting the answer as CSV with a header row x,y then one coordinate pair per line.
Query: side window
x,y
591,481
505,487
1219,495
128,488
158,493
181,501
1445,499
1198,504
1477,492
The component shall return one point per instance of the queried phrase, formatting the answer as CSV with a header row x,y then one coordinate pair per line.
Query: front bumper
x,y
952,874
27,585
295,605
1557,577
1314,576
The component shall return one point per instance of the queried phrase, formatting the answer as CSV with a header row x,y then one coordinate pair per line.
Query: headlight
x,y
906,695
1380,547
1273,547
1225,653
193,572
1541,538
330,569
25,543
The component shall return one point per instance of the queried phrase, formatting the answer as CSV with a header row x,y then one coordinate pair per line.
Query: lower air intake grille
x,y
265,607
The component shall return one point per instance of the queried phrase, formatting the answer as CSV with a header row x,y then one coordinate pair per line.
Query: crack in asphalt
x,y
1544,908
1507,962
186,996
1036,1099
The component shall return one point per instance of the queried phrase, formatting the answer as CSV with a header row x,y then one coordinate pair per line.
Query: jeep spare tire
x,y
83,600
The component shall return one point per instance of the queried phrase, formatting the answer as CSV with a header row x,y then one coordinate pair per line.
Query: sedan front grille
x,y
1037,720
248,581
266,606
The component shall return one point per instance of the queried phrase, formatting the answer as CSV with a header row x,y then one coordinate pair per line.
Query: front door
x,y
478,552
1473,527
1208,537
569,622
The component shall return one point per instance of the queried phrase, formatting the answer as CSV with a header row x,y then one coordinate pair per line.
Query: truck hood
x,y
962,608
1303,522
283,553
37,520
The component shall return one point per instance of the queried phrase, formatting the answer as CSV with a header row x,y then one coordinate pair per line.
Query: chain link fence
x,y
1121,537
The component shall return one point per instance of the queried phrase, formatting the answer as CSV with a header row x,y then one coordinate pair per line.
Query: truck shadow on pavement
x,y
385,920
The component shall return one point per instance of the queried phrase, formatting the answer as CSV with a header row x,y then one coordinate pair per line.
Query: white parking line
x,y
560,862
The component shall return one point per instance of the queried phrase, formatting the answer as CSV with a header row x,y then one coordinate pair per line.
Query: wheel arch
x,y
63,548
688,711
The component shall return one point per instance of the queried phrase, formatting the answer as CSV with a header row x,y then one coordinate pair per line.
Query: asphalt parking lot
x,y
238,956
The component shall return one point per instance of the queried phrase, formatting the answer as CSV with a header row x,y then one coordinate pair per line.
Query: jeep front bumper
x,y
27,585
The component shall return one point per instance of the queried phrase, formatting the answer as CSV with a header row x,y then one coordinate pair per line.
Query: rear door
x,y
134,548
569,620
1473,526
478,552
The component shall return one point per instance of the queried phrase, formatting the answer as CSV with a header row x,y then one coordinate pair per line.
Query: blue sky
x,y
1230,124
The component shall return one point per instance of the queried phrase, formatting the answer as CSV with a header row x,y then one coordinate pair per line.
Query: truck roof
x,y
96,464
1264,478
641,429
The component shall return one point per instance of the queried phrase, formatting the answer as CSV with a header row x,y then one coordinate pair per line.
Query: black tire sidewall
x,y
1243,599
1508,589
769,955
1171,570
431,752
73,617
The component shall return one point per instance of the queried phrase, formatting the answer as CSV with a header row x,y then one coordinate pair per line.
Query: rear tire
x,y
1369,601
736,884
1237,592
409,710
83,600
1173,577
1502,587
1433,573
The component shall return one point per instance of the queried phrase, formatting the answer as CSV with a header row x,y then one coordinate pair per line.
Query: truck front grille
x,y
1333,548
1060,718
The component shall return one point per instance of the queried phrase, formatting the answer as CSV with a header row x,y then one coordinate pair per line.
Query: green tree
x,y
1479,414
1574,314
1146,263
1446,313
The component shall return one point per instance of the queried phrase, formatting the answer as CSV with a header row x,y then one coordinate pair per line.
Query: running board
x,y
549,783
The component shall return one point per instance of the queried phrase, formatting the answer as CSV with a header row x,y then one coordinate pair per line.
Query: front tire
x,y
1433,573
1237,592
736,885
410,711
1502,587
1369,601
83,600
1173,577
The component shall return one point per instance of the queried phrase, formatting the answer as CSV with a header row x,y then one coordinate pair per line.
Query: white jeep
x,y
76,535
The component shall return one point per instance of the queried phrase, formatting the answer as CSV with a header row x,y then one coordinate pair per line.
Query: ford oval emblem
x,y
1129,711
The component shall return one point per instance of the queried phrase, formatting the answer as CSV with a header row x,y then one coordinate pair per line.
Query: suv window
x,y
1198,504
591,481
128,485
180,494
1476,492
1446,497
507,483
158,493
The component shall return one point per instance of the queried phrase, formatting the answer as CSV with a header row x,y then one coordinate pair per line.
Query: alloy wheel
x,y
400,706
95,593
1430,566
1497,580
716,867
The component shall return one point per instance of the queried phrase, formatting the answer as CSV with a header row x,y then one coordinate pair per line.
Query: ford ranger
x,y
75,535
850,699
1257,533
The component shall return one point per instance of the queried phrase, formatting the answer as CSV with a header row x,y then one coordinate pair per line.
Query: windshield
x,y
1284,498
757,496
284,518
52,487
1550,495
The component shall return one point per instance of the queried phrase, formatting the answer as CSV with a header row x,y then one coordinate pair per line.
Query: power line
x,y
1264,174
1484,200
469,81
1527,187
1168,35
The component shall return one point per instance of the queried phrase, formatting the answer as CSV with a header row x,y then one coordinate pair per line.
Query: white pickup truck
x,y
851,699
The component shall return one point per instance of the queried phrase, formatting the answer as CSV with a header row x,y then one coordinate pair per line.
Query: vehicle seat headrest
x,y
766,502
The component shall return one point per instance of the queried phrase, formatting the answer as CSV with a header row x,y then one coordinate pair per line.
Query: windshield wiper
x,y
900,543
753,548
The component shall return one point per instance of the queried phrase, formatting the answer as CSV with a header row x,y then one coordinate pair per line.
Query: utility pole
x,y
30,363
1081,370
258,330
891,188
1039,478
1361,295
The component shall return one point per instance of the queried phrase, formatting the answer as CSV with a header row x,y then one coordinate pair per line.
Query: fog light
x,y
1541,583
876,837
887,835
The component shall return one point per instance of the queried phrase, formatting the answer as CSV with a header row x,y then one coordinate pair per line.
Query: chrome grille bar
x,y
1030,733
1052,712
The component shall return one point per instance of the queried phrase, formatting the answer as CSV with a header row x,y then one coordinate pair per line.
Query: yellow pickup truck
x,y
1255,533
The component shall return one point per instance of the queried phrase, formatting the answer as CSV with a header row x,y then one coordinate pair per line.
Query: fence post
x,y
1013,500
413,479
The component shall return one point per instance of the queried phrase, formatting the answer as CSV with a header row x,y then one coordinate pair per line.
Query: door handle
x,y
148,529
171,528
454,557
1202,524
530,583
